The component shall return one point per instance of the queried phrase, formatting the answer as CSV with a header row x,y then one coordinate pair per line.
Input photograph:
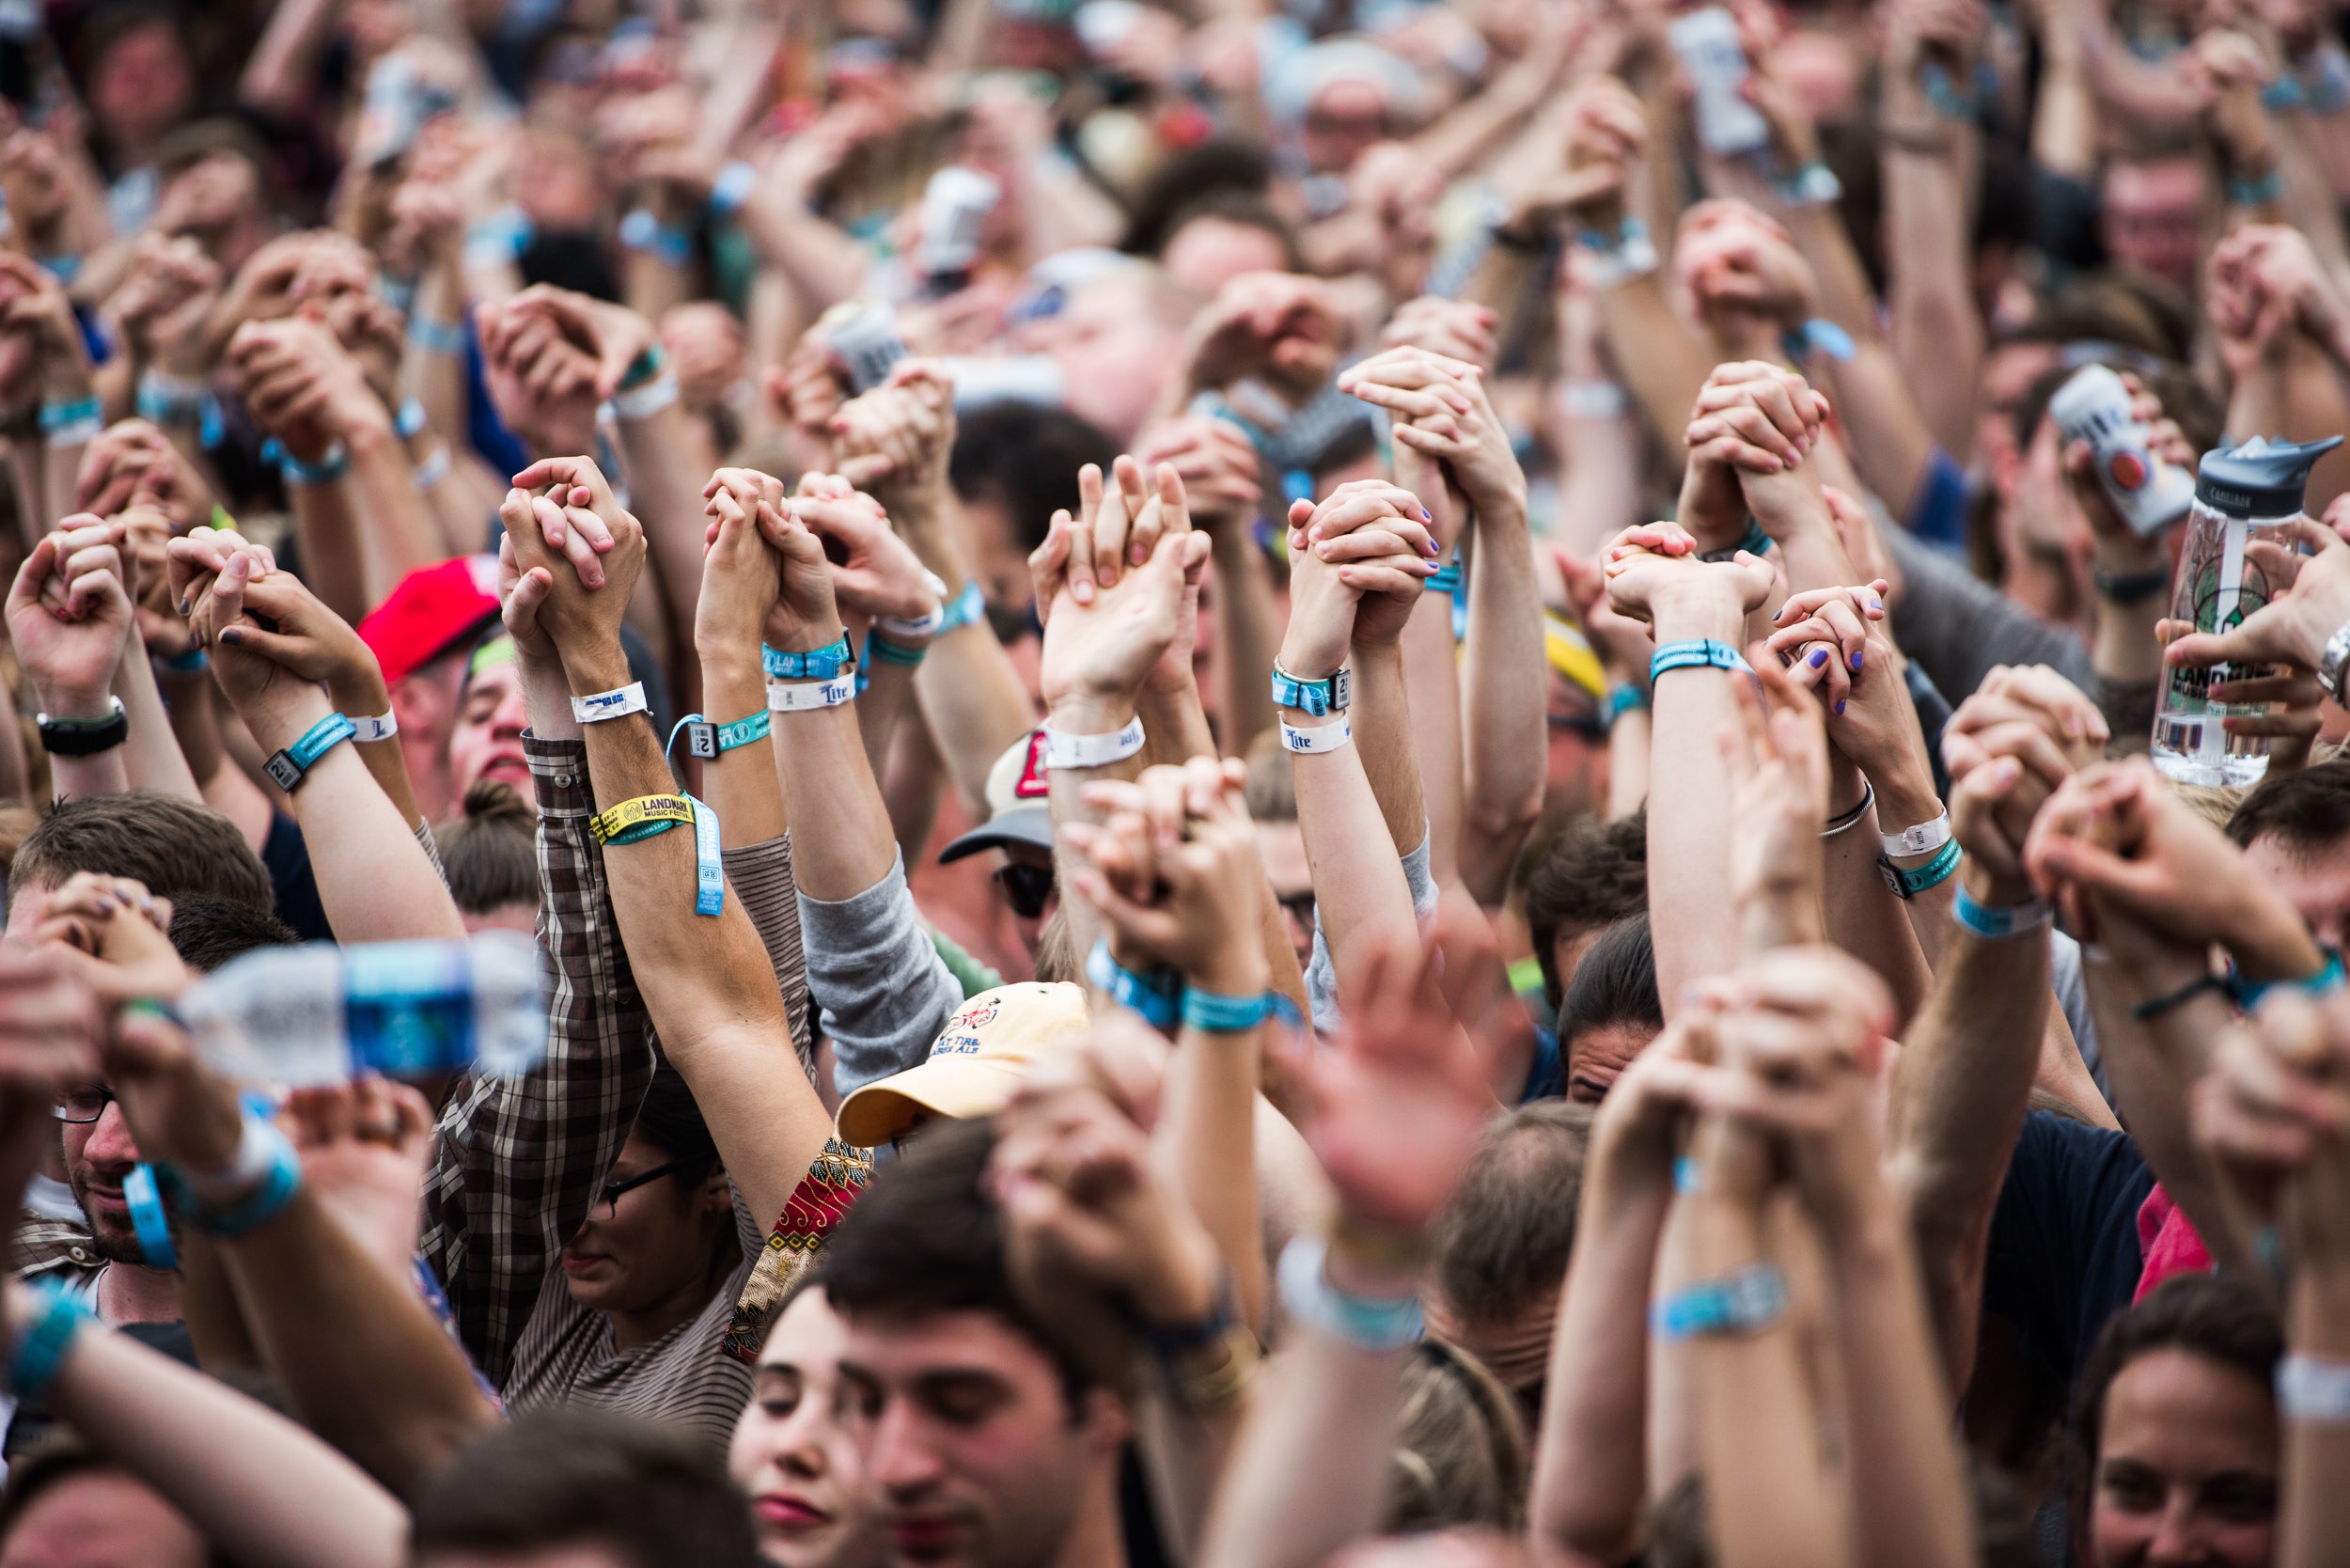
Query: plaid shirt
x,y
516,1162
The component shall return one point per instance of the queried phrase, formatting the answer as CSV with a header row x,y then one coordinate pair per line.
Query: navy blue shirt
x,y
2065,1257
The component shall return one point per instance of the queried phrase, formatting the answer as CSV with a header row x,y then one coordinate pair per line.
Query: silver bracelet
x,y
1846,822
2334,663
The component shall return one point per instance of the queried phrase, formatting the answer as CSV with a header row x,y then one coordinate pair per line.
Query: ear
x,y
1108,1426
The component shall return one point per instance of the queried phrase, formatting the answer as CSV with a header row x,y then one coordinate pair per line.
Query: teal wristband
x,y
288,768
77,412
332,466
42,1345
1998,925
1211,1012
1907,883
880,649
149,1218
966,607
2257,192
1708,654
1446,578
1747,1302
817,664
2327,981
1320,698
644,369
1367,1323
707,740
1623,697
278,1184
1757,543
1157,998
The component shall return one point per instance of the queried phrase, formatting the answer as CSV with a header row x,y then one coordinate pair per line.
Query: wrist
x,y
278,724
1241,971
359,692
1372,1258
1904,792
1697,613
74,702
589,671
366,432
810,635
2268,942
1091,713
1992,888
1314,660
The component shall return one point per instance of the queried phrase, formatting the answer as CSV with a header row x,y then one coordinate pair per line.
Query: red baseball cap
x,y
434,610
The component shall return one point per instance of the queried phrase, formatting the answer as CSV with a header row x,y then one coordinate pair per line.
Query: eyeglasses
x,y
613,1192
1027,888
83,1106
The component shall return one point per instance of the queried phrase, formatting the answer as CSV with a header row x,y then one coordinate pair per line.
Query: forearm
x,y
334,557
1207,1136
1505,677
1936,333
61,466
1409,725
666,497
1695,928
1247,635
842,840
887,698
972,697
1629,739
364,1363
1358,890
2316,1468
1663,364
434,378
255,1484
374,879
1864,916
398,533
278,73
151,759
822,263
741,783
1903,1475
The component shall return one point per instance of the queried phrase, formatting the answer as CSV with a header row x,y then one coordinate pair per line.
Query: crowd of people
x,y
1288,780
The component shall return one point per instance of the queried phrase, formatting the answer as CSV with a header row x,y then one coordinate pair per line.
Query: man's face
x,y
487,739
2008,375
1345,120
1282,848
2153,217
2316,881
653,1243
968,1437
1597,1057
1209,252
1114,352
102,1519
425,703
1026,869
98,1155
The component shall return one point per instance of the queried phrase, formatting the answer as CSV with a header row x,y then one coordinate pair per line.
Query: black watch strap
x,y
77,737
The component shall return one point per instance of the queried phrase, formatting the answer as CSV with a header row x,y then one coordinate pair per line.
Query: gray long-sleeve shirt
x,y
871,968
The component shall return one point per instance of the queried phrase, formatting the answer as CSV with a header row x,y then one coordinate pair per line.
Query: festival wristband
x,y
191,662
149,1219
2260,192
1155,997
426,336
332,466
1907,882
1813,185
732,188
1925,837
633,821
707,740
2312,1388
911,630
709,874
381,727
1998,924
1326,737
72,422
1064,750
210,1207
1333,694
1623,698
645,402
1629,253
1704,653
39,1354
1378,1325
618,703
1213,1012
966,608
2327,981
881,651
642,232
1756,542
433,469
806,697
1445,579
1745,1303
408,421
817,664
288,768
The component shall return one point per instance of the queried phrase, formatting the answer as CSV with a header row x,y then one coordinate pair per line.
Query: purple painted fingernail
x,y
1856,661
1839,708
1818,657
1424,517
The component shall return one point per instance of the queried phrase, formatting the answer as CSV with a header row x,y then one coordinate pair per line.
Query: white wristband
x,y
1321,737
900,629
2310,1388
1091,751
1921,839
647,401
806,697
610,705
366,728
1591,399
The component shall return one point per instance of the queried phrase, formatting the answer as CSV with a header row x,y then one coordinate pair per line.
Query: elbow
x,y
1572,1530
1502,817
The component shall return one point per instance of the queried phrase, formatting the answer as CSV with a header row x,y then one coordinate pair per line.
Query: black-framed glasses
x,y
612,1192
83,1106
1027,888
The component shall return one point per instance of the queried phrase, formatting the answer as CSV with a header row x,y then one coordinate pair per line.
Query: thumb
x,y
277,648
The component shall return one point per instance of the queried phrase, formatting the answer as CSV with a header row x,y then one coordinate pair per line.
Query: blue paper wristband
x,y
1708,654
817,664
1747,1302
40,1347
2327,981
278,1187
1156,997
710,876
963,610
1366,1323
149,1218
1998,925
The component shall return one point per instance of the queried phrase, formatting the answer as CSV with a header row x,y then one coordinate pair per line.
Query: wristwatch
x,y
2335,661
82,737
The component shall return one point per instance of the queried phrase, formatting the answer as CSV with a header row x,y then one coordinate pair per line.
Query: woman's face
x,y
790,1453
652,1247
2187,1467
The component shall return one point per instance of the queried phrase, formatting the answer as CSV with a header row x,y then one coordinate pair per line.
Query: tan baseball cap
x,y
977,1064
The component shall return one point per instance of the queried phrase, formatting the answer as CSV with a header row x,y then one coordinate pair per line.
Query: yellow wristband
x,y
641,818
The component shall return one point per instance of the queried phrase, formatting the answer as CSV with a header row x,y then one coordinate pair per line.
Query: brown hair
x,y
1460,1456
2305,810
491,854
175,847
1592,875
1505,1237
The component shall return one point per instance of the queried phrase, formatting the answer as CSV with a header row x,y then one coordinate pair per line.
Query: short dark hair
x,y
1505,1235
670,1121
491,854
924,1237
2304,810
1025,458
1592,875
177,848
1615,984
655,1495
2219,1317
207,932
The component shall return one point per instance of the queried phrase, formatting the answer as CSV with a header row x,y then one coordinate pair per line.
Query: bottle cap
x,y
2260,479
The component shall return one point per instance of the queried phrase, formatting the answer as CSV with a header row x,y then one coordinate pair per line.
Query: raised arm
x,y
702,972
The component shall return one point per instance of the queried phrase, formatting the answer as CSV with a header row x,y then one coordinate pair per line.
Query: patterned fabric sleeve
x,y
761,875
516,1162
815,1205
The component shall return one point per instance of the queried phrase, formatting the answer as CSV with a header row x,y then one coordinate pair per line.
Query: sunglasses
x,y
612,1192
1027,888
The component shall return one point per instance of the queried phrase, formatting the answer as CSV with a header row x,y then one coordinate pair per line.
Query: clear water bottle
x,y
2095,406
2243,495
319,1013
1715,62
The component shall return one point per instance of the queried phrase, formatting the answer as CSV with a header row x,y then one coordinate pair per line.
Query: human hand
x,y
34,306
114,936
35,185
2293,627
69,617
179,1110
1100,644
741,574
1447,328
1217,462
2271,1115
276,702
1751,418
1650,565
874,573
2118,543
1358,563
302,385
365,1147
1084,1201
1439,408
611,334
2224,71
1607,133
161,307
1775,752
1623,644
2258,264
1281,326
1188,830
49,1028
133,463
287,624
1794,139
575,517
1831,639
898,438
2037,730
1747,278
543,382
